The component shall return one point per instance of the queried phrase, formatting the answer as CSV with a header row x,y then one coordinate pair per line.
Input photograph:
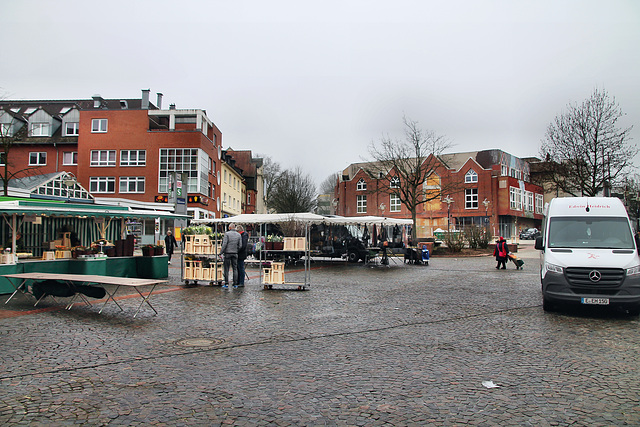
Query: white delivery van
x,y
589,254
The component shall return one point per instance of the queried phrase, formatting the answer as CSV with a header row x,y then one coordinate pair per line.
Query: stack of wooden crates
x,y
202,244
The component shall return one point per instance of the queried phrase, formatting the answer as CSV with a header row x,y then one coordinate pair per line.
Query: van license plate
x,y
596,301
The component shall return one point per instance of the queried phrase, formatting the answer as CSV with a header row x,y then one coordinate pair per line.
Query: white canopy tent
x,y
308,218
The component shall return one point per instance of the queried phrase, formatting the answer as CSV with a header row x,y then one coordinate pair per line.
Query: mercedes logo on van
x,y
595,275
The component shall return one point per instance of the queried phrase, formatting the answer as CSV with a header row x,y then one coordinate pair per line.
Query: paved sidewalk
x,y
405,345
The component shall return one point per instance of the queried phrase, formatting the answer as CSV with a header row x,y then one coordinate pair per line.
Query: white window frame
x,y
103,158
471,177
528,201
39,129
137,182
361,185
394,182
504,170
515,198
39,160
69,158
394,203
471,198
99,125
133,157
6,129
361,203
75,129
539,203
102,184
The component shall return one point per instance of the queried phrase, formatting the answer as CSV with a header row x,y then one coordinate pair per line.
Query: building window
x,y
395,182
539,203
70,158
133,158
190,161
99,125
103,157
132,184
37,159
102,184
515,198
5,130
504,171
39,129
528,201
394,203
515,173
471,198
2,157
471,176
72,129
361,206
362,185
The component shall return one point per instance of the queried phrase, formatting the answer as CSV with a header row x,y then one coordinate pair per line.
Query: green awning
x,y
31,207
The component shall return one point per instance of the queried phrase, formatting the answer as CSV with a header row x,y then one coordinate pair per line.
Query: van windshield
x,y
590,232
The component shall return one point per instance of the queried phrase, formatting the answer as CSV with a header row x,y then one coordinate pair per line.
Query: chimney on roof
x,y
159,101
172,106
97,101
145,99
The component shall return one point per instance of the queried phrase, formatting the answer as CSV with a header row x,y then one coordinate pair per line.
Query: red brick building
x,y
492,189
120,150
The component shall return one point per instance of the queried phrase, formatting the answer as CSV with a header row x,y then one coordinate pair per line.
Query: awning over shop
x,y
32,207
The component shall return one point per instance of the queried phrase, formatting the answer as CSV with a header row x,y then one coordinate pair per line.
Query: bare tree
x,y
271,171
11,131
328,186
406,164
585,149
293,192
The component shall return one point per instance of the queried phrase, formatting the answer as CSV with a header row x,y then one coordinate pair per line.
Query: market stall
x,y
272,276
101,225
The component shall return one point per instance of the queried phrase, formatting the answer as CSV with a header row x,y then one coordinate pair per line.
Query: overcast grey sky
x,y
313,84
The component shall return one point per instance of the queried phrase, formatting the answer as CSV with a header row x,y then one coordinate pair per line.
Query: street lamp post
x,y
448,200
486,204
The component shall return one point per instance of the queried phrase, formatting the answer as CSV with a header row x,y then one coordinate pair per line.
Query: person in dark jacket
x,y
231,243
242,254
501,252
170,243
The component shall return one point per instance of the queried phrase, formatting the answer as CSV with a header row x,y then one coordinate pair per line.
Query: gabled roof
x,y
52,186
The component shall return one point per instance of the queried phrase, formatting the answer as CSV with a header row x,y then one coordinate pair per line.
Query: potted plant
x,y
274,242
158,250
77,251
148,250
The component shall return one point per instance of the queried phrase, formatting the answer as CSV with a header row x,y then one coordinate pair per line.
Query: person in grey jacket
x,y
231,244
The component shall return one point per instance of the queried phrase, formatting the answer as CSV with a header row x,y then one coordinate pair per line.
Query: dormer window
x,y
39,129
395,182
471,177
362,185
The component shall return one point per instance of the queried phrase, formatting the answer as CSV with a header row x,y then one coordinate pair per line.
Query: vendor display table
x,y
155,267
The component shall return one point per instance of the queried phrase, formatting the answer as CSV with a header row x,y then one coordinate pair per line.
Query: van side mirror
x,y
539,244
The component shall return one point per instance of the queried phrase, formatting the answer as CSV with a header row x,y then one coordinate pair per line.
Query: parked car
x,y
529,233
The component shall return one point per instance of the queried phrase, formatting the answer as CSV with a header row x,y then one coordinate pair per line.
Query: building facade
x,y
489,188
124,151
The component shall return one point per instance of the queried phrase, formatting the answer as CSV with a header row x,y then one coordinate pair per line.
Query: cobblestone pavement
x,y
405,345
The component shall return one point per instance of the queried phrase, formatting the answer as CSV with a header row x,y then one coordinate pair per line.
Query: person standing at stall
x,y
170,243
231,243
242,254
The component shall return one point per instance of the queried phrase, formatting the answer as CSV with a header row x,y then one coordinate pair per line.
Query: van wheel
x,y
547,306
352,257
